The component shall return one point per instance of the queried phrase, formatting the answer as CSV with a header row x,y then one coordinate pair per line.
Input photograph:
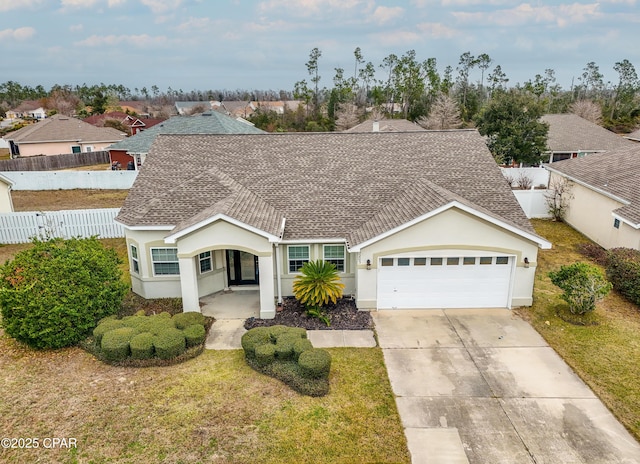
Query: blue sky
x,y
264,44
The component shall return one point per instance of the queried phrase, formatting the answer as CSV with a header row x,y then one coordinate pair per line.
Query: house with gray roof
x,y
133,150
402,217
386,125
604,200
571,136
61,134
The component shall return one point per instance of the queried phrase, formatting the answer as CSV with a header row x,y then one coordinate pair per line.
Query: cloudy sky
x,y
264,44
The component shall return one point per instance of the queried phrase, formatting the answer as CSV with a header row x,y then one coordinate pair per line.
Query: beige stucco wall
x,y
59,148
590,213
450,230
6,205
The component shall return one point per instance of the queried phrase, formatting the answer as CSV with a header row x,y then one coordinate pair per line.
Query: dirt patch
x,y
342,316
55,200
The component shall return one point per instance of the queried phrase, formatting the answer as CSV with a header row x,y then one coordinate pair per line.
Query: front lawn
x,y
607,355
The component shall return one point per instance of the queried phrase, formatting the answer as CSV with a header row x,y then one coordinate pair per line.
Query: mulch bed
x,y
343,316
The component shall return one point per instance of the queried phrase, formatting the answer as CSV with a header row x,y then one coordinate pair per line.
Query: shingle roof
x,y
64,128
387,125
570,133
326,185
635,136
205,123
615,172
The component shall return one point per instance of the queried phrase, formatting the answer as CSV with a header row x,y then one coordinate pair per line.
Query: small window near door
x,y
453,261
386,262
404,261
334,254
469,260
486,260
135,264
616,223
297,256
206,262
88,149
436,261
419,261
502,260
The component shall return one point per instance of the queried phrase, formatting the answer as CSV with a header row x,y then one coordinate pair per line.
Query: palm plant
x,y
317,284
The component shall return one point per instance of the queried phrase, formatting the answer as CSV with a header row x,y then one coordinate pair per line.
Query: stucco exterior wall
x,y
6,205
450,230
58,148
590,213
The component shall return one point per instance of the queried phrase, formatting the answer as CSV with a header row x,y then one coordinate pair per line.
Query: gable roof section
x,y
569,133
387,125
205,123
326,185
614,173
60,128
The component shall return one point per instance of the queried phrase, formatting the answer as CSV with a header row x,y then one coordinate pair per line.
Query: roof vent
x,y
376,126
207,114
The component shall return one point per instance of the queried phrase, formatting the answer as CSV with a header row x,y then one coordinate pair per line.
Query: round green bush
x,y
159,323
300,346
115,343
169,343
141,323
276,330
315,363
141,346
284,345
184,320
255,337
194,335
105,326
265,354
54,293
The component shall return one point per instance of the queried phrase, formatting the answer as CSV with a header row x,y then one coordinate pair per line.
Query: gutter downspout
x,y
279,264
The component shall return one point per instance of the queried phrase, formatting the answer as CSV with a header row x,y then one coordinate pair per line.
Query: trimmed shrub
x,y
300,346
284,345
142,346
276,330
194,334
115,343
315,363
184,320
169,343
255,337
623,270
105,326
583,286
265,354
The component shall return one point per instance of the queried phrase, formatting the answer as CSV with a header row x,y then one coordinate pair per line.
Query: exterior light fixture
x,y
368,265
526,262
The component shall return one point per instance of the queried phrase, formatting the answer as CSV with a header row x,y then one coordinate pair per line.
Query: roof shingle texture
x,y
64,128
205,123
615,172
570,133
327,185
387,125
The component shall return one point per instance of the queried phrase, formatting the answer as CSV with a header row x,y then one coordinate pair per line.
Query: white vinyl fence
x,y
536,176
22,227
533,202
67,180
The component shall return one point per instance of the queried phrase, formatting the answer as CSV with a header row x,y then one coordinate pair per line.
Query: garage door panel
x,y
444,286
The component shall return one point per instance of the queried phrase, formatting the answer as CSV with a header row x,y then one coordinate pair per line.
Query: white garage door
x,y
444,282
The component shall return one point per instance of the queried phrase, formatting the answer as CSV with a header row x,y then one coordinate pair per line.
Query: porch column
x,y
189,284
267,295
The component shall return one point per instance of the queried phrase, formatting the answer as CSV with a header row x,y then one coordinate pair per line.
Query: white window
x,y
334,254
165,261
88,148
206,262
297,256
135,264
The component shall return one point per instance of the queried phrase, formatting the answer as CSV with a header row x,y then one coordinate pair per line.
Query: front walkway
x,y
482,386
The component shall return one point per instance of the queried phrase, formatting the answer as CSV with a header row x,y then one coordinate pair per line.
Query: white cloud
x,y
22,33
437,30
76,28
77,3
113,3
525,14
192,24
307,8
398,38
139,41
6,5
383,14
160,7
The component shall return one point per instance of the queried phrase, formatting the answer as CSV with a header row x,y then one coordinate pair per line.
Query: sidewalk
x,y
225,334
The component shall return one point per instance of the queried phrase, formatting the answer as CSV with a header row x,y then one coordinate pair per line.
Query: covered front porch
x,y
240,302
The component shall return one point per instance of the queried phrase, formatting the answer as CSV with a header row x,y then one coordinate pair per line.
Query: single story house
x,y
386,125
61,134
571,136
605,196
27,109
401,215
132,123
6,203
134,149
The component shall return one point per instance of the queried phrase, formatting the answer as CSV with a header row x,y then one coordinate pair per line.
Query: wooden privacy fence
x,y
54,162
22,227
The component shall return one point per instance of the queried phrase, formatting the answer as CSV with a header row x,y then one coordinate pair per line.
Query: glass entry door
x,y
242,268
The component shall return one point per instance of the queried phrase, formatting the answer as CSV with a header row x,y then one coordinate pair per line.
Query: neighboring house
x,y
191,107
605,196
635,136
6,204
28,109
133,123
386,125
61,134
571,136
134,149
403,217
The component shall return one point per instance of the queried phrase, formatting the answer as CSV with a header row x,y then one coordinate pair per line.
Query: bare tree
x,y
558,197
588,110
347,117
444,114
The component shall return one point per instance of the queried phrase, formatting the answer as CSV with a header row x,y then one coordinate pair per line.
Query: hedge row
x,y
286,354
143,337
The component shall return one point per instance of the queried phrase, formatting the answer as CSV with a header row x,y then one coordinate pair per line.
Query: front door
x,y
242,268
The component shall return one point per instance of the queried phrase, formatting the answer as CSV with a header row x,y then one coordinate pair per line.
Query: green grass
x,y
213,408
606,353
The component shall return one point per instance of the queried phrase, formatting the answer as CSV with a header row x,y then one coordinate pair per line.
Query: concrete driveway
x,y
482,386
